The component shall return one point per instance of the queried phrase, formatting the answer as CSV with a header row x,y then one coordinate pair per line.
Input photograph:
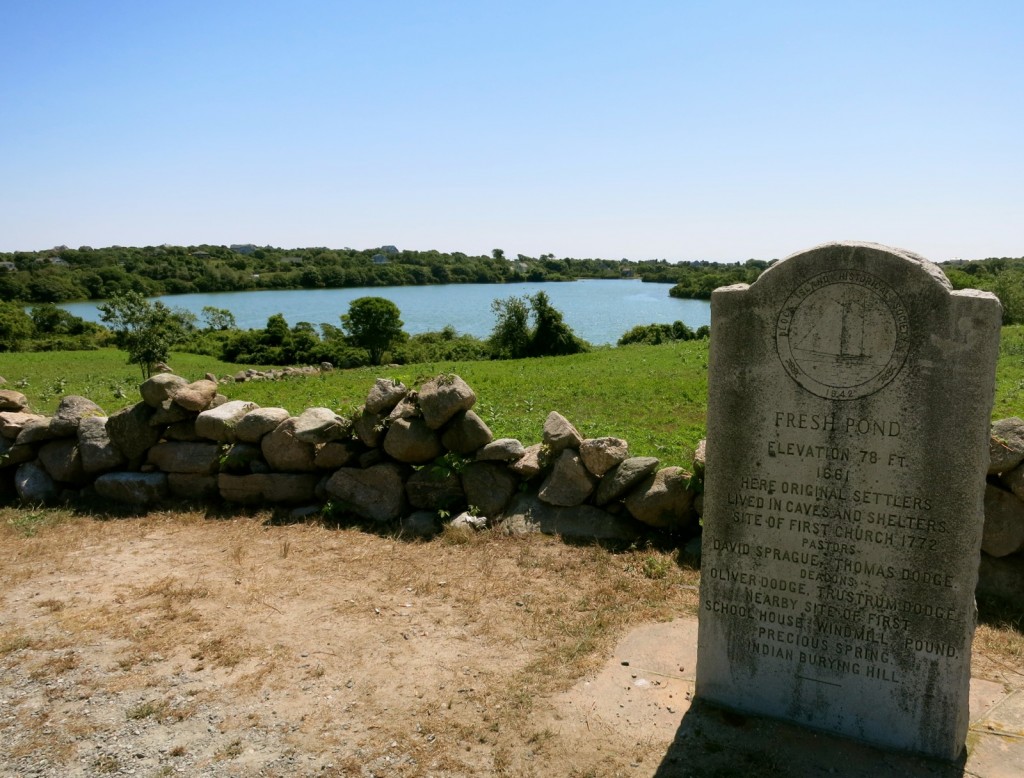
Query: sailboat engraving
x,y
842,336
838,335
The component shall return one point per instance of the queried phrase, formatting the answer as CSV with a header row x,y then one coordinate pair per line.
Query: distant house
x,y
243,248
201,254
8,267
379,259
58,261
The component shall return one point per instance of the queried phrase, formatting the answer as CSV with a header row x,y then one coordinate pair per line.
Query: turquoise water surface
x,y
598,310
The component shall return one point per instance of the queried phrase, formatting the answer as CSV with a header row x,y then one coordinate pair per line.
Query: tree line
x,y
65,274
1003,276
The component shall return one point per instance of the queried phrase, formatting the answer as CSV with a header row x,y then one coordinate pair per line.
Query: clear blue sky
x,y
676,130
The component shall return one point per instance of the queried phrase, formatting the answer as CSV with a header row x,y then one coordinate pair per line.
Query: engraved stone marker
x,y
848,412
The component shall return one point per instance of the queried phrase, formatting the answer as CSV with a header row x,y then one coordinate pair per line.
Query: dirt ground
x,y
185,644
179,644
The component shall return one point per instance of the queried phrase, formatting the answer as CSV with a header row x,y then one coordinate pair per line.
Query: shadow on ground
x,y
712,742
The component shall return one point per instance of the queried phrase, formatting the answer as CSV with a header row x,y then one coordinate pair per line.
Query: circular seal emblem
x,y
843,334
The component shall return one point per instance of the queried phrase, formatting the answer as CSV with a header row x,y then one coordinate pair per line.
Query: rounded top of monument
x,y
848,249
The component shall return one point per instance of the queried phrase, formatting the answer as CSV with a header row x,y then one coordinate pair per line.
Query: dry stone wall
x,y
406,458
184,442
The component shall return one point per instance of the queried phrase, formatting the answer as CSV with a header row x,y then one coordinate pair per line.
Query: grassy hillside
x,y
654,396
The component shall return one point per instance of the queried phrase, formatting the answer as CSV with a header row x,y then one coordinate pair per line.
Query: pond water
x,y
598,310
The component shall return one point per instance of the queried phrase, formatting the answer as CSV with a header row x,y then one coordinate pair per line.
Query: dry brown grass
x,y
368,644
405,657
999,640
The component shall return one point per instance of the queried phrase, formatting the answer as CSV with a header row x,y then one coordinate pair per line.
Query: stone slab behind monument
x,y
848,413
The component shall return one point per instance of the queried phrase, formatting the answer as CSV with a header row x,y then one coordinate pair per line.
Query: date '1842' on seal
x,y
843,334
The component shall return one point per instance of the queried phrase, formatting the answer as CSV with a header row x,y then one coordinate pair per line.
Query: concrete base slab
x,y
644,695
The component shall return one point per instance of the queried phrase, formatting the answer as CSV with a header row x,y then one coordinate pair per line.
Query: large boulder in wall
x,y
218,424
602,454
527,513
662,500
465,433
369,427
193,487
130,432
1003,533
12,454
284,452
412,441
1006,445
70,412
489,487
13,422
569,483
503,450
560,434
258,422
179,457
529,464
321,425
443,397
431,488
139,490
385,395
376,493
11,400
34,484
160,388
196,396
63,461
36,431
259,488
623,477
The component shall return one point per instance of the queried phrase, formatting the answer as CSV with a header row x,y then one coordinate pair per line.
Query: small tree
x,y
552,336
15,326
146,330
513,337
51,320
510,338
218,319
374,324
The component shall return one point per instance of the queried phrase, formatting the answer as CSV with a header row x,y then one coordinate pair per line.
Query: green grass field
x,y
653,396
